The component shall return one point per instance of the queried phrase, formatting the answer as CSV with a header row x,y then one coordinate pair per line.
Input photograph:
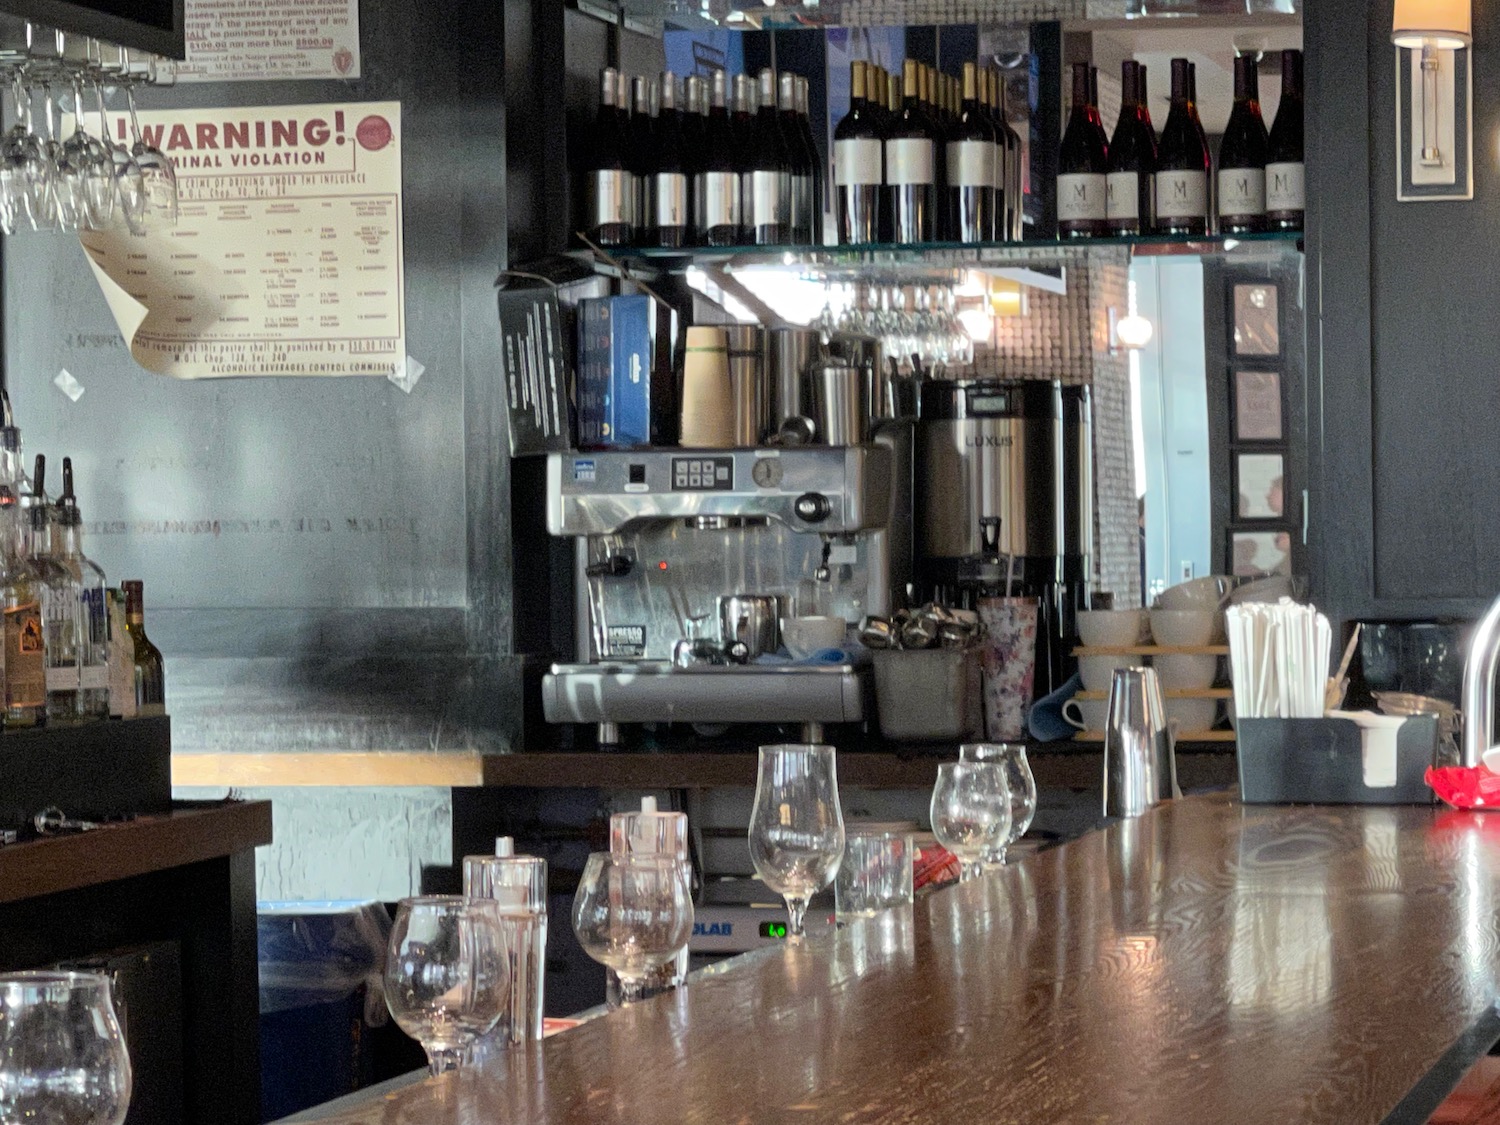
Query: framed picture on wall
x,y
1257,406
1260,486
1255,554
1257,324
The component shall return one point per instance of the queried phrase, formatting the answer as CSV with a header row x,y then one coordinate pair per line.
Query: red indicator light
x,y
662,565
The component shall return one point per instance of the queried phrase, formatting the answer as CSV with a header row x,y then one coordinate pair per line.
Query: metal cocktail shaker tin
x,y
747,383
793,351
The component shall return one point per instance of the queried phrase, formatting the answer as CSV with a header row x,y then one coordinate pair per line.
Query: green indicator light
x,y
773,929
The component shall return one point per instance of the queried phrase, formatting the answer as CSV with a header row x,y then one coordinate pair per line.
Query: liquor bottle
x,y
150,680
971,168
607,179
93,608
988,92
669,217
640,142
1182,164
910,167
1242,156
60,601
857,164
1132,157
716,189
771,173
815,161
743,128
21,603
1082,166
1286,198
800,202
121,659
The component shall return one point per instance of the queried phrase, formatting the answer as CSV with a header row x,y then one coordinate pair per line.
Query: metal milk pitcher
x,y
1140,764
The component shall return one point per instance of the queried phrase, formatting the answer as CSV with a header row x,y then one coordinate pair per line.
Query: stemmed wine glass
x,y
1011,757
25,171
157,173
633,913
970,812
130,184
796,826
62,1057
87,158
447,973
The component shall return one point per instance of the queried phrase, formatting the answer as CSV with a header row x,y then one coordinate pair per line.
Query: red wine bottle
x,y
669,218
858,160
716,186
971,168
1082,165
1285,192
800,201
911,165
1132,157
608,182
743,129
1182,163
1242,156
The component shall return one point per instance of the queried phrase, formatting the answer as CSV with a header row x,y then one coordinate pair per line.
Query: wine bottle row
x,y
931,158
1133,183
671,165
73,648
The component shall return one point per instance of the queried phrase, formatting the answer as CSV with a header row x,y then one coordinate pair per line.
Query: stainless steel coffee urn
x,y
1004,472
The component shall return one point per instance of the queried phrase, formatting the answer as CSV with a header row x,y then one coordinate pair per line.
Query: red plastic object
x,y
1466,787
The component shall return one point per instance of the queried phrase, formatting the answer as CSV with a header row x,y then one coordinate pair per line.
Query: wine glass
x,y
796,826
62,1056
633,913
447,974
970,812
25,171
157,172
130,183
1010,756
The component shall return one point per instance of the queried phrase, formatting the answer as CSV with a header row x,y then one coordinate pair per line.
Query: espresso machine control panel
x,y
701,474
828,489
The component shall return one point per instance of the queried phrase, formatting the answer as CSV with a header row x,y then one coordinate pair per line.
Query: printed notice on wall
x,y
286,258
238,40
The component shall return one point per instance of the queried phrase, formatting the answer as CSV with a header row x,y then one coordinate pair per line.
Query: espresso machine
x,y
685,562
1004,497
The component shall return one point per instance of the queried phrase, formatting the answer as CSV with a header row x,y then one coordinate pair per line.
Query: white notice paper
x,y
233,40
287,256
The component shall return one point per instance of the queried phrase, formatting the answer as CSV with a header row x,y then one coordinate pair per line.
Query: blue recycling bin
x,y
320,993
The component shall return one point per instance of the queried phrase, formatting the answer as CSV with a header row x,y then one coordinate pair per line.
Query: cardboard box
x,y
614,372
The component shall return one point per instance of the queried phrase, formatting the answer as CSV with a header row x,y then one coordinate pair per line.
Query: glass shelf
x,y
1038,260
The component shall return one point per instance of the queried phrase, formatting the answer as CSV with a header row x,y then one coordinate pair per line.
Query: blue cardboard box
x,y
614,371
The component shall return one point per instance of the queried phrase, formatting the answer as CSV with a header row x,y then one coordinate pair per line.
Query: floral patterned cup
x,y
1009,664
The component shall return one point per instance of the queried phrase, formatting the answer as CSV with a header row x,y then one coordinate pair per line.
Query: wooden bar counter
x,y
1208,962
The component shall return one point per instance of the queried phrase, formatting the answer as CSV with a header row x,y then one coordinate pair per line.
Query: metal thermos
x,y
840,414
793,351
1140,767
747,382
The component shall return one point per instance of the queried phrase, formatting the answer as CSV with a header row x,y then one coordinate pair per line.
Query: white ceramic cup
x,y
1112,628
1193,716
1176,627
1097,671
1183,672
1086,714
804,636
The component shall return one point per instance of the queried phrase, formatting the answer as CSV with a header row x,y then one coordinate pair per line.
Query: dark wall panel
x,y
382,618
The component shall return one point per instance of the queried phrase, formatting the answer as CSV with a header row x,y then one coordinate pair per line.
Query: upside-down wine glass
x,y
633,913
157,173
970,812
796,826
62,1056
447,973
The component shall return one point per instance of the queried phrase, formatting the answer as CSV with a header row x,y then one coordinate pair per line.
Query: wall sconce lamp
x,y
1434,100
